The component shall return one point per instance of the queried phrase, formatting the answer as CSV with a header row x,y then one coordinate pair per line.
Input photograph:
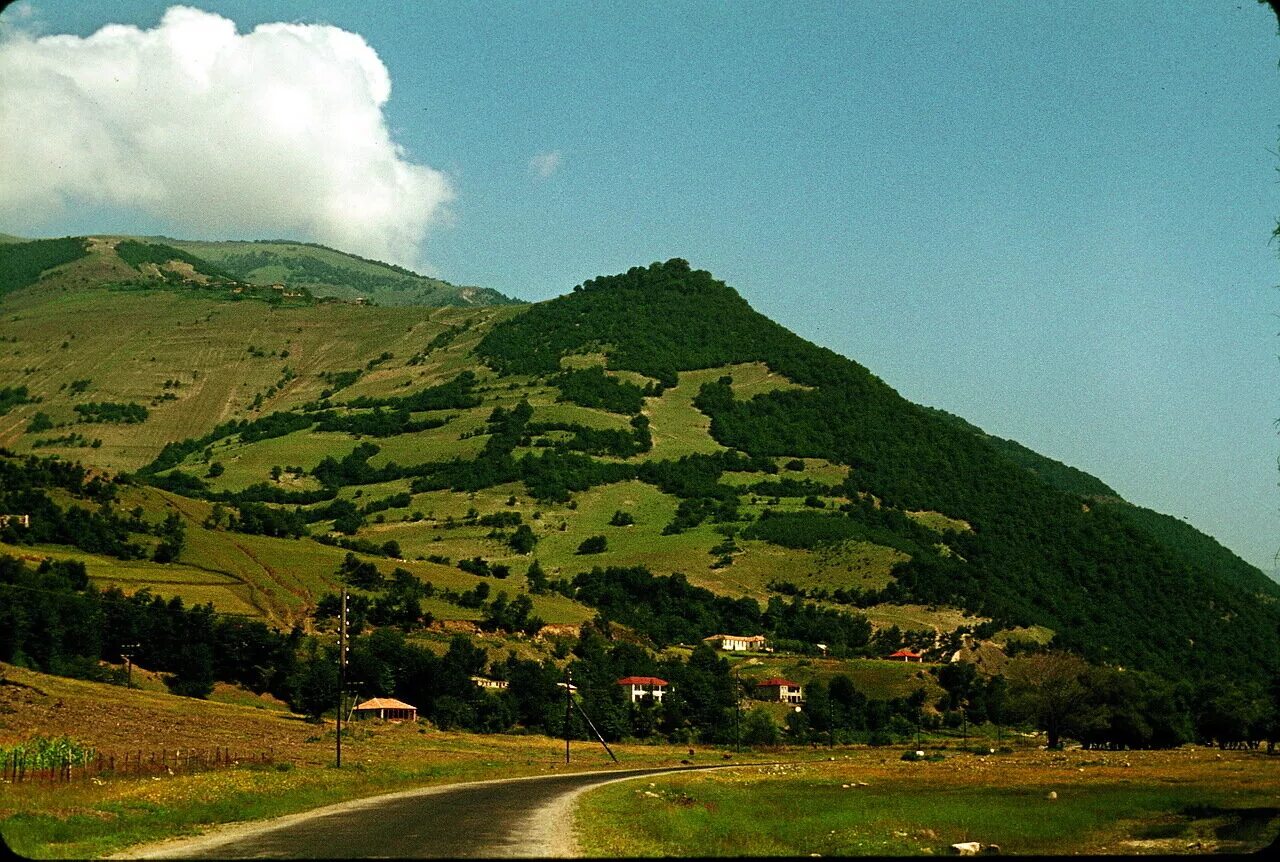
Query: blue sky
x,y
1051,219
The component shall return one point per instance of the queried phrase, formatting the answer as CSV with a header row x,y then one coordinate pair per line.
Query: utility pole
x,y
568,707
126,651
342,672
831,721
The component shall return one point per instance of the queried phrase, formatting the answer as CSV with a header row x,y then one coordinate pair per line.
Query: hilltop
x,y
644,424
324,271
274,270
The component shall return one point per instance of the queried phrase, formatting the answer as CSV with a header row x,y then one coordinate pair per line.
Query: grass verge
x,y
868,804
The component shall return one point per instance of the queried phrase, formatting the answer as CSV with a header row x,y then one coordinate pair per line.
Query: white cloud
x,y
544,165
276,132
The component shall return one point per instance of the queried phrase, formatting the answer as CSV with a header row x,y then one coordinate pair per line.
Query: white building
x,y
736,643
641,687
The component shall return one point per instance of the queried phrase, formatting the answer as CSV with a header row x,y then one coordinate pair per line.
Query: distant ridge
x,y
328,272
317,270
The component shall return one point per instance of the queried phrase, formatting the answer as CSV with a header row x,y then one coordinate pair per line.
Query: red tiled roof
x,y
769,683
904,653
642,680
384,703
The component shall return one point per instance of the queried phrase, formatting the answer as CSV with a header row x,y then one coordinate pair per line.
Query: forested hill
x,y
1047,546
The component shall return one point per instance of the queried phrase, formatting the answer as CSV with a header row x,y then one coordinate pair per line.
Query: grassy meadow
x,y
869,802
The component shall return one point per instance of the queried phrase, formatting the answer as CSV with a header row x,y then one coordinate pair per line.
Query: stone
x,y
966,848
1053,794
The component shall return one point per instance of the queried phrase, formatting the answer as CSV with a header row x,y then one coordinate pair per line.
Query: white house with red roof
x,y
641,687
780,690
906,655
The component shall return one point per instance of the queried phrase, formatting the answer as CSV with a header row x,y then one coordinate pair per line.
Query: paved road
x,y
517,817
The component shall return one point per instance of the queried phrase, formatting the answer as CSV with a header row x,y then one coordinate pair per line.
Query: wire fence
x,y
21,764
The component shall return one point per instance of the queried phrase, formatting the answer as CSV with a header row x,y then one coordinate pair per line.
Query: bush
x,y
593,545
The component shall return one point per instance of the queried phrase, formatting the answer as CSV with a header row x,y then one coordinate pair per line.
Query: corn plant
x,y
44,753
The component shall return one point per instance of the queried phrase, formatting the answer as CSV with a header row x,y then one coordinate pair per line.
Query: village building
x,y
641,687
736,643
780,690
486,683
22,520
387,708
906,655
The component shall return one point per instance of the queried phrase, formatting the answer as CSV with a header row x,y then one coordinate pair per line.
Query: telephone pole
x,y
568,707
342,671
126,651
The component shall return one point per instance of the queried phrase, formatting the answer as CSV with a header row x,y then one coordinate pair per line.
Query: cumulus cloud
x,y
544,165
276,132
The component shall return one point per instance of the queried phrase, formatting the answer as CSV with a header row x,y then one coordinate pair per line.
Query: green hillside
x,y
324,271
645,424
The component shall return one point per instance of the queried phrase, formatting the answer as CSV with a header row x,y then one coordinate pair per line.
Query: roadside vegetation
x,y
868,804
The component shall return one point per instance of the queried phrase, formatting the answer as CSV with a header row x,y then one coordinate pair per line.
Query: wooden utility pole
x,y
342,671
568,707
126,651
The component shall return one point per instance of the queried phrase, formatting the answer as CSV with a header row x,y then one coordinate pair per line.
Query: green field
x,y
869,805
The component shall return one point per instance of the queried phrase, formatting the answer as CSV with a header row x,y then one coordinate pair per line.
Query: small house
x,y
23,520
387,708
640,687
906,655
486,683
736,643
780,690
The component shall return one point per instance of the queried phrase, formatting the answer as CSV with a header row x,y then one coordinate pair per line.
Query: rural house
x,y
486,683
386,708
642,686
906,655
24,520
781,690
736,643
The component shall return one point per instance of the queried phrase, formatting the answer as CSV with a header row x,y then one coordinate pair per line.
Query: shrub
x,y
593,545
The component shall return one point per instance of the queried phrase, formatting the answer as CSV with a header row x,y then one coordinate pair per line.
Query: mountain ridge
x,y
747,455
319,270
